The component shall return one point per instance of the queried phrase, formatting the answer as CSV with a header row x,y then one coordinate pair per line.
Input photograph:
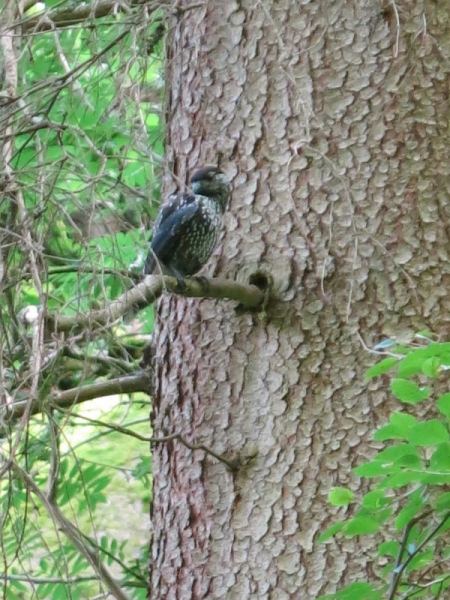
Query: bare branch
x,y
73,534
232,465
55,459
151,288
38,580
400,566
79,14
139,382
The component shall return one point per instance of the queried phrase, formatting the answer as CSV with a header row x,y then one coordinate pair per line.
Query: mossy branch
x,y
129,384
147,291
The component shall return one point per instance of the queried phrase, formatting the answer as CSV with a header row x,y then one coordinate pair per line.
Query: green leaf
x,y
440,460
389,548
339,496
443,404
400,424
59,592
431,366
360,526
428,433
402,478
393,453
382,367
409,512
443,501
330,532
384,514
388,432
408,391
441,349
355,591
374,499
373,468
420,561
402,420
359,591
436,479
54,153
412,363
439,587
411,461
22,590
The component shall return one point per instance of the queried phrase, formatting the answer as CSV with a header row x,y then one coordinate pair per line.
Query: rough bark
x,y
332,119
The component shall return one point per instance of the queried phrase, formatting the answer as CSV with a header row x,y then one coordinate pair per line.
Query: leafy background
x,y
407,508
75,212
82,155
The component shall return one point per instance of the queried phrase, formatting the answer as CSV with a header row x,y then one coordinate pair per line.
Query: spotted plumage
x,y
187,227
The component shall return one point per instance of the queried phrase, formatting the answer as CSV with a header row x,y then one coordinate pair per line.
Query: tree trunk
x,y
331,118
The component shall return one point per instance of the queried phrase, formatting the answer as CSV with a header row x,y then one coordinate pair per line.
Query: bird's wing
x,y
168,229
168,207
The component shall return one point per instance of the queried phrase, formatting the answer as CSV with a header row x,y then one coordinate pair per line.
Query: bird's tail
x,y
150,263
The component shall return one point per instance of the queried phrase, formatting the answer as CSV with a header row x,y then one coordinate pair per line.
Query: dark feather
x,y
168,229
188,225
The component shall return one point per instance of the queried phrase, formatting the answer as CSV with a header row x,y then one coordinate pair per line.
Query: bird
x,y
188,225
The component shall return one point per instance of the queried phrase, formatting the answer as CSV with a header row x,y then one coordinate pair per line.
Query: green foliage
x,y
98,488
87,144
408,504
340,496
356,591
85,170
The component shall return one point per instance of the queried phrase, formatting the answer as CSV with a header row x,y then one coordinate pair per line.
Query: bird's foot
x,y
181,285
202,281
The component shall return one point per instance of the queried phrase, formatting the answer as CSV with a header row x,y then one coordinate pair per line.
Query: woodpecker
x,y
187,227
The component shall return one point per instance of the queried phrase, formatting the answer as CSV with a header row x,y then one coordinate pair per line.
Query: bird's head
x,y
212,182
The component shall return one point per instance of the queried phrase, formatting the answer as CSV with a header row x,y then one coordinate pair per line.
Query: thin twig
x,y
73,534
163,439
128,384
40,580
232,465
397,33
55,458
401,566
151,288
75,15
